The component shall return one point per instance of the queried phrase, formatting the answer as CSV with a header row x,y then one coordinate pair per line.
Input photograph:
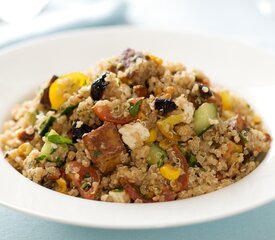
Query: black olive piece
x,y
205,91
98,87
165,105
78,132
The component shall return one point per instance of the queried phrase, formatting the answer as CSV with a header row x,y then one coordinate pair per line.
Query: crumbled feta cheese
x,y
187,108
119,197
134,134
126,90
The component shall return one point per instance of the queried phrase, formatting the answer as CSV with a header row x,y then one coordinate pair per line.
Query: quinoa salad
x,y
134,129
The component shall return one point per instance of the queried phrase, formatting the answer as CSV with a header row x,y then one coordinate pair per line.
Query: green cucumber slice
x,y
48,147
202,117
156,156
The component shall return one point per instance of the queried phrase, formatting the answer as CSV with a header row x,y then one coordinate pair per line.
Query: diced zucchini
x,y
156,155
45,126
68,110
48,147
203,116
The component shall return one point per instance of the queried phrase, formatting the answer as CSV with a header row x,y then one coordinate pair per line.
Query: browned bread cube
x,y
105,147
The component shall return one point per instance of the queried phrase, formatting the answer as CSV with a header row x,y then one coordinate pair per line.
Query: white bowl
x,y
248,71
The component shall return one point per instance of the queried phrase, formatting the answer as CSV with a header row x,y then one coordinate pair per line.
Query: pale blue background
x,y
258,224
235,19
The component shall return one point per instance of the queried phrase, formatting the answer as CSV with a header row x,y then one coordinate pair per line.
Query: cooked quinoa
x,y
134,129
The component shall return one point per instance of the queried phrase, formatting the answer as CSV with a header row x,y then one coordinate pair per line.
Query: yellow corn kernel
x,y
155,59
226,100
61,185
169,92
152,137
24,149
166,144
158,90
141,115
239,148
257,119
232,148
169,172
66,85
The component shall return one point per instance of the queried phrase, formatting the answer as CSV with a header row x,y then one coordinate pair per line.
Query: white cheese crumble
x,y
119,197
187,108
134,134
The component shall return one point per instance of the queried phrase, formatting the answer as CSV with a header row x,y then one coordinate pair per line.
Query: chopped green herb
x,y
120,189
40,158
45,126
59,162
85,186
97,153
68,110
134,109
192,161
57,139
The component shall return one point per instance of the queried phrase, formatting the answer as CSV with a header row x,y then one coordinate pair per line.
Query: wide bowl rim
x,y
137,207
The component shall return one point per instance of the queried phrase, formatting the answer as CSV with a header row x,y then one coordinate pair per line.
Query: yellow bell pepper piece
x,y
166,126
61,185
169,172
226,100
66,85
239,148
257,119
155,59
152,137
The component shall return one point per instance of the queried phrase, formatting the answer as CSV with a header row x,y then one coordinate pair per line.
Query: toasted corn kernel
x,y
152,137
257,120
24,149
226,100
155,59
166,144
169,172
61,185
141,115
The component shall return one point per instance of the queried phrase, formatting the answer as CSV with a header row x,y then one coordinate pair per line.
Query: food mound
x,y
134,129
